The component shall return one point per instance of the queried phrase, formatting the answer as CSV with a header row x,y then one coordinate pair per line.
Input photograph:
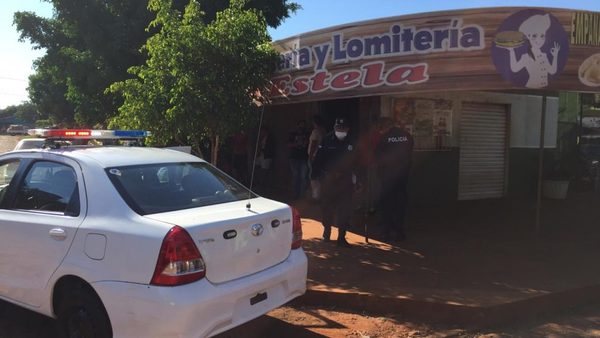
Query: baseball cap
x,y
342,122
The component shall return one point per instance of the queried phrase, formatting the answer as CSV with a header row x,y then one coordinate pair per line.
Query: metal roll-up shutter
x,y
482,167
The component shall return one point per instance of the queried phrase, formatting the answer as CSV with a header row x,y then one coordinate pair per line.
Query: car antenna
x,y
262,113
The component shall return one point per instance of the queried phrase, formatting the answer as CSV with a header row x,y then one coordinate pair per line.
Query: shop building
x,y
472,86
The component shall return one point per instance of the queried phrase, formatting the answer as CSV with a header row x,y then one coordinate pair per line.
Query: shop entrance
x,y
483,151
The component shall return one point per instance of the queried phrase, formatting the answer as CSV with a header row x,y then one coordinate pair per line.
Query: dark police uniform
x,y
334,167
393,154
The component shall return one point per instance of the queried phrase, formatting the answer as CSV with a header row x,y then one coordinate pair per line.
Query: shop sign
x,y
397,42
530,48
468,50
586,29
586,32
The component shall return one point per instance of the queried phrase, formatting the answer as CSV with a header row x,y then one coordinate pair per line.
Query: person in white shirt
x,y
315,139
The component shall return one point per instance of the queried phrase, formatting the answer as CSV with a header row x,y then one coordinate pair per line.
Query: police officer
x,y
393,155
333,167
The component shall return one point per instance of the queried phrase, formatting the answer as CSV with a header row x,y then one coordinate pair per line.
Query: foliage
x,y
90,44
43,123
274,11
199,78
47,89
88,47
26,112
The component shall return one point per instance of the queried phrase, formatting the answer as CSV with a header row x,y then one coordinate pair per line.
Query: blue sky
x,y
16,57
317,14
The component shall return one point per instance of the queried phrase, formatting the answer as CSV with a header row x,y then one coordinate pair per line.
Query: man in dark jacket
x,y
393,154
334,168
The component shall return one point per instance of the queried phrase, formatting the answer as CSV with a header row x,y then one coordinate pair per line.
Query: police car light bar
x,y
88,134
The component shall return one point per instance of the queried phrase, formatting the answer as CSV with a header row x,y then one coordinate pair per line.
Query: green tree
x,y
199,79
90,44
26,112
47,90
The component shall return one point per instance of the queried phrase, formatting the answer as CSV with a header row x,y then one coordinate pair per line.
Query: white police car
x,y
140,242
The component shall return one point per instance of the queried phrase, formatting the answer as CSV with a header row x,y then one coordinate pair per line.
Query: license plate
x,y
258,298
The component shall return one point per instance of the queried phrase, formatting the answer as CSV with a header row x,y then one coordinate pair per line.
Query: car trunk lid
x,y
233,240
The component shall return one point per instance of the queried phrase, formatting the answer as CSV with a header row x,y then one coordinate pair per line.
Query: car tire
x,y
82,315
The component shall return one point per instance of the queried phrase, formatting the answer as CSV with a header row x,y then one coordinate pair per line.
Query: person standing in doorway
x,y
334,168
298,147
264,156
393,155
368,167
239,144
315,139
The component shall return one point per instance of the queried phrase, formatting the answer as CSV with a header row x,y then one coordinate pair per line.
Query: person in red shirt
x,y
315,139
298,148
368,167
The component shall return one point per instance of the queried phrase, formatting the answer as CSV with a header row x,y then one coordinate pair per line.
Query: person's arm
x,y
319,162
312,150
312,145
516,66
554,52
411,141
269,147
356,165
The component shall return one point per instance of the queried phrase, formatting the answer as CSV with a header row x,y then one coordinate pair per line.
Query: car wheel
x,y
82,315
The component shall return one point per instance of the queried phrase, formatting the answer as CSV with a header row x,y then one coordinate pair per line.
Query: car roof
x,y
29,140
115,156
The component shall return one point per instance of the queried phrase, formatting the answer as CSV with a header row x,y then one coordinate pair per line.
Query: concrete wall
x,y
434,177
525,116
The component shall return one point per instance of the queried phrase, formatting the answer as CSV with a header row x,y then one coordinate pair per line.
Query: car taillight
x,y
296,229
179,261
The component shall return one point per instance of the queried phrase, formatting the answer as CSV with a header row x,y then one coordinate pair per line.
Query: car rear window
x,y
156,188
29,144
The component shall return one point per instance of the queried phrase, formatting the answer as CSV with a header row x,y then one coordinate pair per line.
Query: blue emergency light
x,y
131,133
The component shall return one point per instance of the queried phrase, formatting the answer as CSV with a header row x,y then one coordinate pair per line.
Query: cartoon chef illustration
x,y
536,62
535,48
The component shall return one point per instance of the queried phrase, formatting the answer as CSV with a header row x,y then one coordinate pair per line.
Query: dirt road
x,y
311,322
16,322
8,142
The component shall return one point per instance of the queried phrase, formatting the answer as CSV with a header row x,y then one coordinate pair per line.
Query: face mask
x,y
340,135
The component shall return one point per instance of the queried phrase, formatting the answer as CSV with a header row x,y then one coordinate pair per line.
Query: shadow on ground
x,y
271,327
18,322
468,254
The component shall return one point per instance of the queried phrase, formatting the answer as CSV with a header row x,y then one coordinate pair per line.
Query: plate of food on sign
x,y
510,39
589,71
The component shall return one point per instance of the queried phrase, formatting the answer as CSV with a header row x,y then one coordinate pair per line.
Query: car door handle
x,y
58,234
